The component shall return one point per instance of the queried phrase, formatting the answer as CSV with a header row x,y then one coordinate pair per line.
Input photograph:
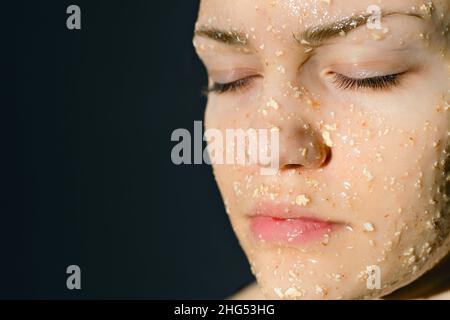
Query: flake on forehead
x,y
293,7
211,20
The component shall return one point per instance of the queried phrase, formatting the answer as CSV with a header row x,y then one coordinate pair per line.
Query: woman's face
x,y
362,111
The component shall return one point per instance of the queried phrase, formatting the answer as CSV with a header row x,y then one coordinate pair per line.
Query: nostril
x,y
327,157
292,166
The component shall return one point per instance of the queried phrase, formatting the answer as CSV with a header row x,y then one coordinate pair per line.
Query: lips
x,y
283,223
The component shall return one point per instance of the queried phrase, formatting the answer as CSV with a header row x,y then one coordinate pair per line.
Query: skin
x,y
388,161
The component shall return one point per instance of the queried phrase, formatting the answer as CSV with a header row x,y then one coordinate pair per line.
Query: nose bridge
x,y
301,144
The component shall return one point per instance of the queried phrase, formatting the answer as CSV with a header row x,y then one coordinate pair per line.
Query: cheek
x,y
390,173
412,200
441,194
408,172
228,177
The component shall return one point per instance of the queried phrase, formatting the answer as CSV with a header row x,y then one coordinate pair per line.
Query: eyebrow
x,y
230,37
313,37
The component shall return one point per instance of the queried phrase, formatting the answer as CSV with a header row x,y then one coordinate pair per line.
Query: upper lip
x,y
286,210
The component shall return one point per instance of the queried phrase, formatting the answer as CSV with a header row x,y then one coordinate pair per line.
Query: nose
x,y
301,146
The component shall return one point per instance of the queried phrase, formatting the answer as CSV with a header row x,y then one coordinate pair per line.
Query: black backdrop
x,y
87,176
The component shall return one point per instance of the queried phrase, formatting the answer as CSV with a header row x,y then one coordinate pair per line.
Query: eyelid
x,y
240,84
363,70
227,76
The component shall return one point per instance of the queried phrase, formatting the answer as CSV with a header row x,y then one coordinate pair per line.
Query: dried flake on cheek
x,y
290,293
273,104
368,227
338,277
321,290
367,174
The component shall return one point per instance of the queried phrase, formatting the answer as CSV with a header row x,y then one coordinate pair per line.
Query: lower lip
x,y
295,231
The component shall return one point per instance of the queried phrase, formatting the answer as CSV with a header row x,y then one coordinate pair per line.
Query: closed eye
x,y
219,88
378,83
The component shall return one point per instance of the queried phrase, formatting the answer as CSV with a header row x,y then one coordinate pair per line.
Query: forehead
x,y
248,14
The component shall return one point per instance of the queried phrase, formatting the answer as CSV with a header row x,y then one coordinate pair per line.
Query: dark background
x,y
87,176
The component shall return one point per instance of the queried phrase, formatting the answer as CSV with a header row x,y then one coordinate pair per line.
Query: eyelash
x,y
378,83
230,86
